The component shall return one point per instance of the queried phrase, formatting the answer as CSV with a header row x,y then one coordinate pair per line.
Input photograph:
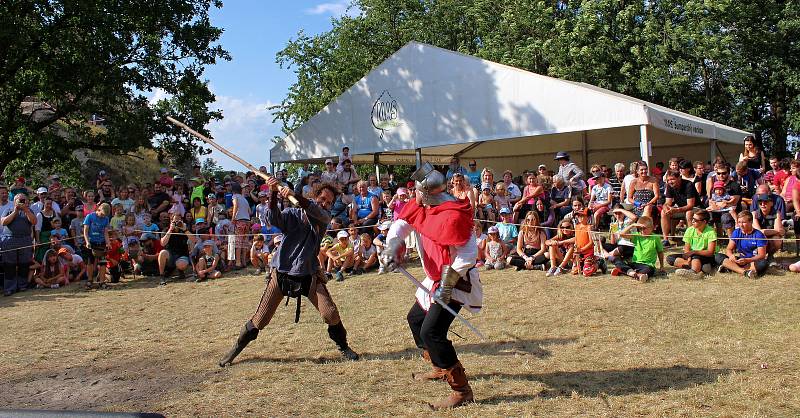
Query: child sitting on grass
x,y
496,251
259,254
51,274
561,248
340,256
508,231
584,260
647,247
207,263
366,256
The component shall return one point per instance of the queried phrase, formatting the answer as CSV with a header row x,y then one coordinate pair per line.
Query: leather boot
x,y
462,392
435,374
339,335
248,333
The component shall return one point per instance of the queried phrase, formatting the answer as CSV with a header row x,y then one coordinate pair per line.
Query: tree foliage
x,y
66,62
729,61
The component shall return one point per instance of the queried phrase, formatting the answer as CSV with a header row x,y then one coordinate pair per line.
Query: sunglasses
x,y
698,220
722,173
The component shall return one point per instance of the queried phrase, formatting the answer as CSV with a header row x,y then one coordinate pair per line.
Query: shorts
x,y
242,228
173,259
97,254
703,260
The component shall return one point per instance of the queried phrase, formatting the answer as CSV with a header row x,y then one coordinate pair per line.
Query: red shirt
x,y
779,178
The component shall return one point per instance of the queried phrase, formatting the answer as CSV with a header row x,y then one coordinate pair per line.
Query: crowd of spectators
x,y
556,218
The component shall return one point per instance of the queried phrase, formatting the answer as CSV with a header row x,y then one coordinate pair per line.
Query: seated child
x,y
259,254
73,265
496,250
584,260
340,256
507,231
380,242
207,263
561,248
51,274
366,256
647,248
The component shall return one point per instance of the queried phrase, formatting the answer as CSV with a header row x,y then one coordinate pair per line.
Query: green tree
x,y
729,61
66,62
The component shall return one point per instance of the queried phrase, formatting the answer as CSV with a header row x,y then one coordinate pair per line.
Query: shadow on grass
x,y
490,348
597,383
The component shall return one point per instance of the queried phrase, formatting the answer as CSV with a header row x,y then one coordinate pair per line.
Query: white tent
x,y
430,103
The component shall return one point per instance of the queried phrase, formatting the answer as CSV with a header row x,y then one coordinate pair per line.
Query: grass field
x,y
563,346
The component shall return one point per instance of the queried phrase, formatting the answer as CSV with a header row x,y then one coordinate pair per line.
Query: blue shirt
x,y
228,200
747,244
149,228
271,231
97,227
474,177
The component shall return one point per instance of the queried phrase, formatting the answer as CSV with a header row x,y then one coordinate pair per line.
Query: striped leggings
x,y
317,294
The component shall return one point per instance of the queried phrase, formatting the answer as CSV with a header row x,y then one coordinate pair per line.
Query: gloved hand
x,y
449,279
393,256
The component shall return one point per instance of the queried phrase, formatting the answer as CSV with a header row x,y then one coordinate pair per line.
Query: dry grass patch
x,y
560,346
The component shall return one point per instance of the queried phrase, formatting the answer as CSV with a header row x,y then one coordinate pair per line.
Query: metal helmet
x,y
432,184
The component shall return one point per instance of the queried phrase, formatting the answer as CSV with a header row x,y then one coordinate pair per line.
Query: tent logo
x,y
385,114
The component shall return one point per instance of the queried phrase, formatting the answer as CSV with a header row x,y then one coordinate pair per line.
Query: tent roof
x,y
444,102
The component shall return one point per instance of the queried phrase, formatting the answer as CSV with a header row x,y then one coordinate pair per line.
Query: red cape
x,y
447,224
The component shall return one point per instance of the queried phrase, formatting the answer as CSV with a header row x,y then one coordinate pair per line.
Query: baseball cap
x,y
599,174
102,173
402,191
64,251
486,186
208,243
21,179
505,211
133,240
41,190
211,196
177,177
342,234
328,161
199,221
163,170
763,197
493,230
146,236
719,184
384,226
262,194
542,166
410,184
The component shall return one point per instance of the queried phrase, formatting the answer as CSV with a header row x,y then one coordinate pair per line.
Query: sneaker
x,y
722,269
54,286
557,271
339,276
550,271
328,275
38,286
181,274
750,274
163,281
642,277
381,270
616,272
349,354
706,268
489,266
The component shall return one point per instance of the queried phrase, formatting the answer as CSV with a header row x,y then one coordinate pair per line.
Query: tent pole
x,y
712,151
272,168
585,152
644,144
375,160
418,155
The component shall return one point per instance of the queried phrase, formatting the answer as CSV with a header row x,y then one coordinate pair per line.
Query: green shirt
x,y
699,241
646,249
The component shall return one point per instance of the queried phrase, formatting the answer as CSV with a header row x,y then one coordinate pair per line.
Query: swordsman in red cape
x,y
448,253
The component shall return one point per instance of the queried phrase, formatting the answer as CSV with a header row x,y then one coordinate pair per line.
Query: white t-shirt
x,y
602,194
367,252
127,204
626,183
76,260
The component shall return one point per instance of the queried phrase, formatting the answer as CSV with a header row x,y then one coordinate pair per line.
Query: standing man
x,y
17,246
295,266
570,172
681,198
448,257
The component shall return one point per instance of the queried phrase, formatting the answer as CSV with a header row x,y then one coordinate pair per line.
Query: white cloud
x,y
246,130
336,9
158,94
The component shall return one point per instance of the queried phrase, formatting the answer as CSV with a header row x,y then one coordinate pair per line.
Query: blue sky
x,y
255,30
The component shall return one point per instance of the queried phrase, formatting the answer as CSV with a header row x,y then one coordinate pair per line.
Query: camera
x,y
177,225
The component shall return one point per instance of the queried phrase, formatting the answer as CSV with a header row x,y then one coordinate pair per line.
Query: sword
x,y
439,301
223,150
